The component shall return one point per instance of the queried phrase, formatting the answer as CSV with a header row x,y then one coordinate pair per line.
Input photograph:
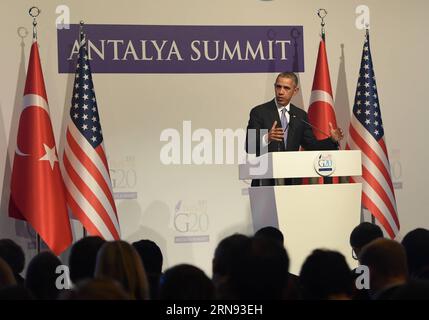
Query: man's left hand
x,y
336,134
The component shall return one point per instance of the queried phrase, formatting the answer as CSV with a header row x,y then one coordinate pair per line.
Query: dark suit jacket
x,y
299,133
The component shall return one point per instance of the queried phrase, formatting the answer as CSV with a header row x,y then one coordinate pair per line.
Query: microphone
x,y
312,126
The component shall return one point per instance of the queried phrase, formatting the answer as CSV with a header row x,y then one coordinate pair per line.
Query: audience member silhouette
x,y
325,275
118,260
13,254
151,257
15,292
96,289
225,252
271,233
41,276
412,290
416,244
185,282
258,271
387,263
83,256
363,234
6,275
274,234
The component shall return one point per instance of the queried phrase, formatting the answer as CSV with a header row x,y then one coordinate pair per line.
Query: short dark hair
x,y
12,254
186,282
289,75
416,244
226,251
83,256
325,273
259,270
150,254
364,233
41,277
271,233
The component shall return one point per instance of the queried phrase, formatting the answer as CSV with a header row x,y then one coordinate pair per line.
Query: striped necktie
x,y
285,125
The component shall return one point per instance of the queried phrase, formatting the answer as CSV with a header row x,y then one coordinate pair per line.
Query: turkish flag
x,y
37,189
321,110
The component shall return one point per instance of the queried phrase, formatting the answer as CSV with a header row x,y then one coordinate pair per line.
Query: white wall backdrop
x,y
136,108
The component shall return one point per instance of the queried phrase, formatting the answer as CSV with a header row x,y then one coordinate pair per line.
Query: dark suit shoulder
x,y
263,107
297,111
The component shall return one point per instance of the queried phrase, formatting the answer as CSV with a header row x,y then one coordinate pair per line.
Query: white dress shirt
x,y
279,110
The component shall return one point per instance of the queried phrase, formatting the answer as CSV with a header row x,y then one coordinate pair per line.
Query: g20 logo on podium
x,y
324,164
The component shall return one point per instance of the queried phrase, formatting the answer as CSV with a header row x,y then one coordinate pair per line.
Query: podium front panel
x,y
310,217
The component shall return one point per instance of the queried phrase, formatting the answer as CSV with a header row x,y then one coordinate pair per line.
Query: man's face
x,y
285,89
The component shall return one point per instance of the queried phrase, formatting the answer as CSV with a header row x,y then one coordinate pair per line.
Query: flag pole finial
x,y
322,13
34,13
81,24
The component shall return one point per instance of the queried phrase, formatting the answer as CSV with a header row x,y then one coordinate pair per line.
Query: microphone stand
x,y
326,180
314,127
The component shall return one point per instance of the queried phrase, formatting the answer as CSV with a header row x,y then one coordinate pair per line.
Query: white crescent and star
x,y
18,152
50,156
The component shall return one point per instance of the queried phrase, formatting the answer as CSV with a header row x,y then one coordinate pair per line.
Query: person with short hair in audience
x,y
151,256
272,233
387,263
82,259
6,275
13,254
118,260
259,271
12,262
185,282
227,250
361,235
325,275
276,235
416,244
41,276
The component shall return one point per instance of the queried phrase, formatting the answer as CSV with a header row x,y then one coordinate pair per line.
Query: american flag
x,y
366,133
86,171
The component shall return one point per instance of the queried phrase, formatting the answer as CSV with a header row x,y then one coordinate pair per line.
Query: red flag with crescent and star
x,y
37,189
321,110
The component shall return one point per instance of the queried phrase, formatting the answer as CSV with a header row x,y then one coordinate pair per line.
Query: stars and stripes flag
x,y
86,171
37,189
366,133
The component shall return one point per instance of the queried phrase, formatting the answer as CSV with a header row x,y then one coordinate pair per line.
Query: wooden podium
x,y
310,216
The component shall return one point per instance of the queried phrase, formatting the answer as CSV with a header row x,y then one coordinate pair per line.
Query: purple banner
x,y
184,49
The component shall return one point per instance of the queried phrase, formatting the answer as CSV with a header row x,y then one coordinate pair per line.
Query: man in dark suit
x,y
278,125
